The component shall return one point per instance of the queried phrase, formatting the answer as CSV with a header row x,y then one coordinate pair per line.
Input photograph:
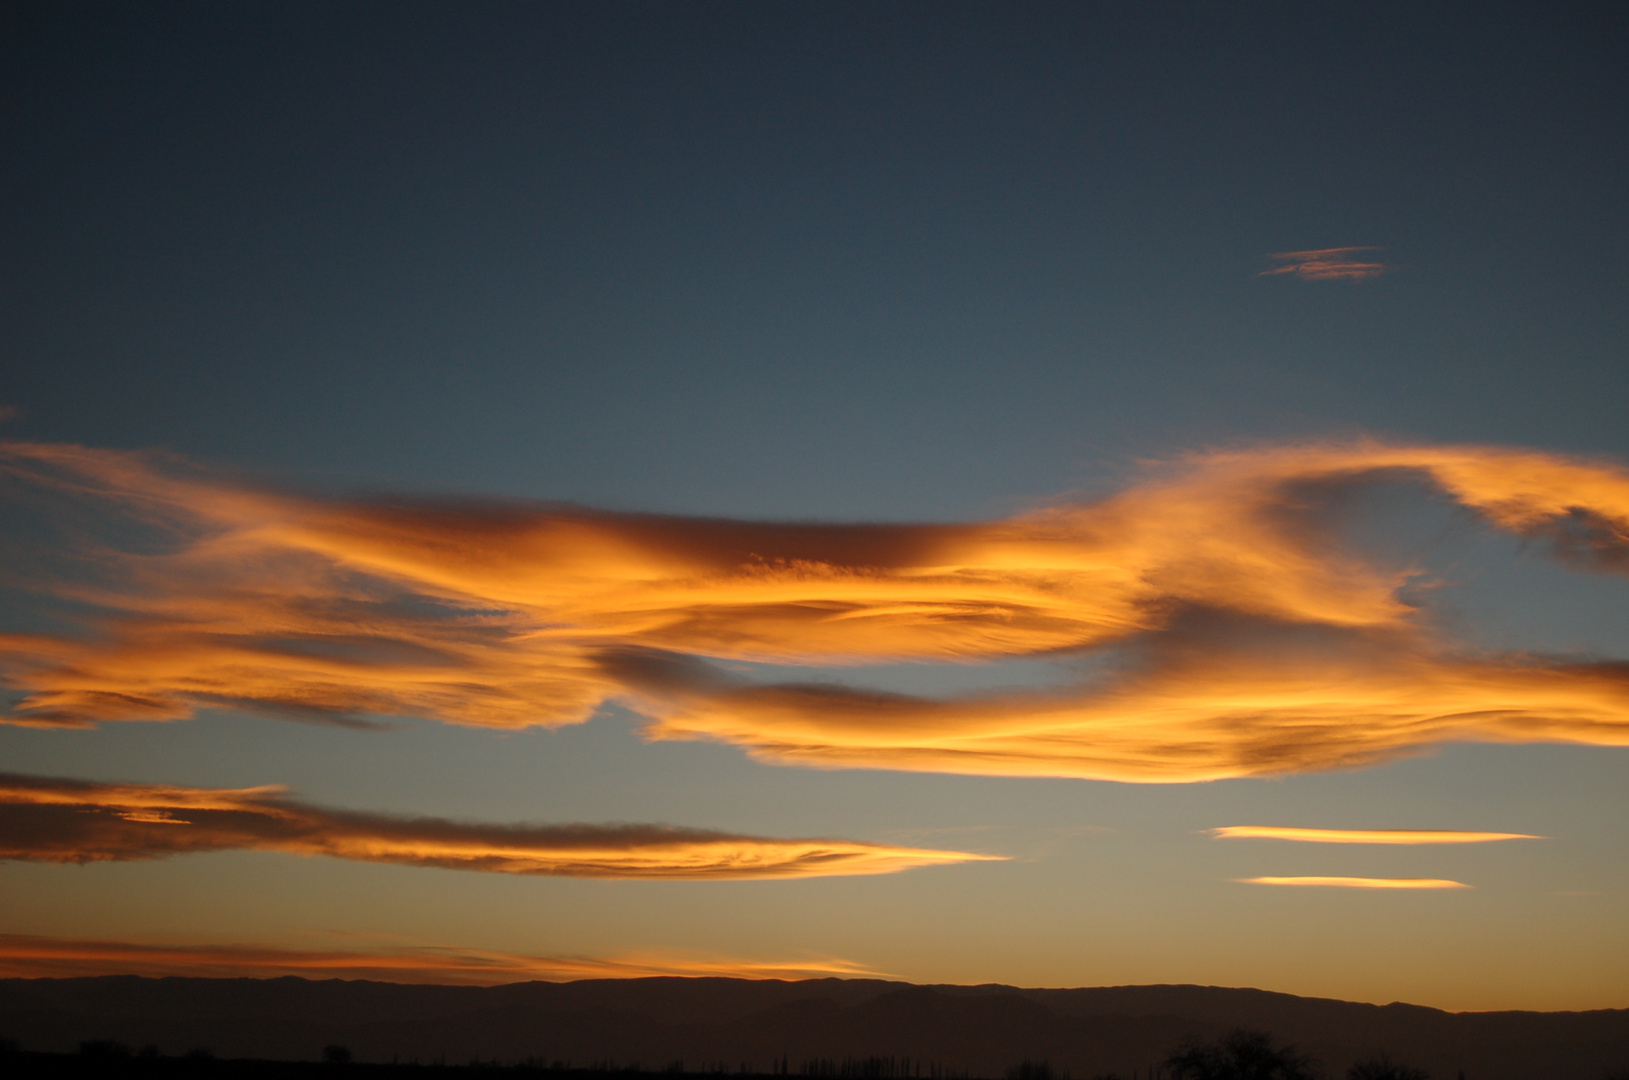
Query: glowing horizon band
x,y
33,956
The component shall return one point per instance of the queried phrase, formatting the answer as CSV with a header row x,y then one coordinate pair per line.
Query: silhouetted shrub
x,y
870,1068
148,1051
104,1048
10,1046
200,1053
1240,1055
335,1054
1035,1070
1383,1067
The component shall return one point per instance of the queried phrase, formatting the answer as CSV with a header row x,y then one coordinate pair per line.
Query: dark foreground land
x,y
26,1065
862,1029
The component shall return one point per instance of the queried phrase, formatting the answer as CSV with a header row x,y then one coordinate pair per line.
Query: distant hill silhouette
x,y
765,1026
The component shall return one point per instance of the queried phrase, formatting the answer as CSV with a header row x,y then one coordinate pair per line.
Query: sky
x,y
1048,494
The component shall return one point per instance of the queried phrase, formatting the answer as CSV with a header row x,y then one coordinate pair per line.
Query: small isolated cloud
x,y
30,957
1327,264
53,820
1357,882
1239,634
1363,836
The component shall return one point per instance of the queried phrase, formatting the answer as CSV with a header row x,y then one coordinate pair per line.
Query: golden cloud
x,y
1363,836
30,957
1326,264
53,820
1239,634
1358,882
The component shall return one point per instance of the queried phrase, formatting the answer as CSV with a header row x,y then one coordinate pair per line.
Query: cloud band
x,y
53,820
1363,836
1358,882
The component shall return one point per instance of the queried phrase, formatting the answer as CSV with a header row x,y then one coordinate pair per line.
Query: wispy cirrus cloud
x,y
54,820
25,956
1358,882
1242,638
1327,264
1364,836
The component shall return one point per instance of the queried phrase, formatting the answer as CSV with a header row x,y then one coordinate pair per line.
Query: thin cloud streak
x,y
1363,836
1357,882
32,957
1241,637
1326,264
53,820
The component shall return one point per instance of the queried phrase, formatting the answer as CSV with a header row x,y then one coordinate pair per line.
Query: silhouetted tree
x,y
1383,1067
335,1054
1240,1055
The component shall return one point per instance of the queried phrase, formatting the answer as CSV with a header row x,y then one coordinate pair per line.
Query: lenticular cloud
x,y
1327,264
1240,635
1364,836
45,819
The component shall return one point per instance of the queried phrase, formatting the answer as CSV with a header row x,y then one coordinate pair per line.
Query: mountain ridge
x,y
716,1023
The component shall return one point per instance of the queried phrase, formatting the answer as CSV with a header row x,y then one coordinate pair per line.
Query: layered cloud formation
x,y
1235,632
24,956
52,820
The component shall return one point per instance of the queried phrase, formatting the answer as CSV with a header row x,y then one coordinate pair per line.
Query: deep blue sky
x,y
831,260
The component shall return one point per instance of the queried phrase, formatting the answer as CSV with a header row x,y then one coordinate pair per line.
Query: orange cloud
x,y
1326,264
1349,700
53,820
1363,836
1358,882
29,957
1241,636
